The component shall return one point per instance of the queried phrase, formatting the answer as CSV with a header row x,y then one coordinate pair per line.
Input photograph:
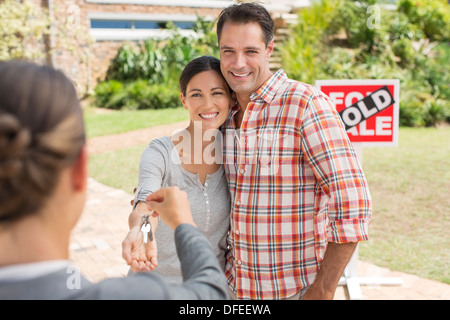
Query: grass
x,y
118,169
410,186
106,122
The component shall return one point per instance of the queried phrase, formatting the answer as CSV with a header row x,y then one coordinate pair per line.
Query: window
x,y
110,24
131,26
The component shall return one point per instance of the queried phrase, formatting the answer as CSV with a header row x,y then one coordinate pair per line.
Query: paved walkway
x,y
96,249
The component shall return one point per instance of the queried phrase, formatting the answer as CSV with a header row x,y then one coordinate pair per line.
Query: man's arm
x,y
339,174
334,262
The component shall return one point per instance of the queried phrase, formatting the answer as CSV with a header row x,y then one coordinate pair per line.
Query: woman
x,y
43,180
187,159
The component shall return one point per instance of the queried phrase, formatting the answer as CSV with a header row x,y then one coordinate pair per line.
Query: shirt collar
x,y
268,90
27,271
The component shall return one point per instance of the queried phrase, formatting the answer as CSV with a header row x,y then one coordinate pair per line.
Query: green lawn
x,y
118,169
410,186
106,122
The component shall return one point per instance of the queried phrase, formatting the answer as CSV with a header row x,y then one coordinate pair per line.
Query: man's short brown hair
x,y
245,13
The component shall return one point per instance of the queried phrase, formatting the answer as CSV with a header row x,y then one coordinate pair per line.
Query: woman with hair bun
x,y
43,178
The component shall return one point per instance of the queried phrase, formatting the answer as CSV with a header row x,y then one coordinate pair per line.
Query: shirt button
x,y
242,171
239,262
238,203
237,232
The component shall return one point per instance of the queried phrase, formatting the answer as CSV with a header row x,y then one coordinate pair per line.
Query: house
x,y
86,34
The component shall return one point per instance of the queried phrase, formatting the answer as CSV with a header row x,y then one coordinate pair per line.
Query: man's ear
x,y
270,47
80,170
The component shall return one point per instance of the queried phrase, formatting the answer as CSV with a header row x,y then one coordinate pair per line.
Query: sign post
x,y
370,112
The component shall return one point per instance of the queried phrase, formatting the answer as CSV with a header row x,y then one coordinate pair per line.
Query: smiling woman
x,y
207,98
180,160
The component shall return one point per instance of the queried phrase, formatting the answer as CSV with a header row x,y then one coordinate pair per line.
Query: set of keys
x,y
146,229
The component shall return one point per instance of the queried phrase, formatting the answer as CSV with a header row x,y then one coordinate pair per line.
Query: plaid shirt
x,y
295,185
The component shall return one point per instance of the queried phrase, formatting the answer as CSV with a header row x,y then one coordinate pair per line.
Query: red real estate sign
x,y
368,108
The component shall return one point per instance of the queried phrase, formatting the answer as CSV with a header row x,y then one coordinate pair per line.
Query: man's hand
x,y
172,205
334,262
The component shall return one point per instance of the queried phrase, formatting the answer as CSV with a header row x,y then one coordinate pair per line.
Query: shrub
x,y
149,72
340,44
109,94
431,16
135,95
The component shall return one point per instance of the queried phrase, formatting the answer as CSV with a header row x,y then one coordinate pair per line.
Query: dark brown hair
x,y
41,132
245,13
197,65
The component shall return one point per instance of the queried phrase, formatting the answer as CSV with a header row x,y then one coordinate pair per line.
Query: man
x,y
300,201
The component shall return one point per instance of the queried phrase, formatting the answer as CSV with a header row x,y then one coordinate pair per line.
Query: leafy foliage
x,y
362,40
146,76
22,28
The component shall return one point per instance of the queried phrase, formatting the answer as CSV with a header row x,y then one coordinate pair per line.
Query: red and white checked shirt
x,y
295,185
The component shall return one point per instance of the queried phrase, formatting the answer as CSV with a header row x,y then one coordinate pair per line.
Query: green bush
x,y
145,76
109,94
431,16
334,40
135,95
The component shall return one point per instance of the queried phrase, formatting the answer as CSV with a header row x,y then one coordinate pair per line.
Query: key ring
x,y
145,213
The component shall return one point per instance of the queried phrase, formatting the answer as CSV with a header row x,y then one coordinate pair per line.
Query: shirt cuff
x,y
348,230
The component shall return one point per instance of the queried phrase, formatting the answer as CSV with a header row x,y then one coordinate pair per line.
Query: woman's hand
x,y
139,256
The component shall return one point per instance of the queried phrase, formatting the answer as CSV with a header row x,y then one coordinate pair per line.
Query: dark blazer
x,y
203,278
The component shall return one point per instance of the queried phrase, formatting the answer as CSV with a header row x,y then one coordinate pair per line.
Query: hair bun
x,y
14,142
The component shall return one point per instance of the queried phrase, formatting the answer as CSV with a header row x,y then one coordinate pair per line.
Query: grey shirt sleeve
x,y
202,275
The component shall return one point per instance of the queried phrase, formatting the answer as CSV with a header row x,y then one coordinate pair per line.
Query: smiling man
x,y
244,61
300,201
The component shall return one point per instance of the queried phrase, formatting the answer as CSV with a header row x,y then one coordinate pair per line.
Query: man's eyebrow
x,y
252,48
246,48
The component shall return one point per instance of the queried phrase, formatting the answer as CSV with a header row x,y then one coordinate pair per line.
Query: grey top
x,y
203,279
160,167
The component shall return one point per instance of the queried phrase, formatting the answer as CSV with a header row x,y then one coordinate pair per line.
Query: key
x,y
146,229
150,233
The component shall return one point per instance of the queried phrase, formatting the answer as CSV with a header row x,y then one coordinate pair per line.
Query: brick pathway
x,y
96,241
